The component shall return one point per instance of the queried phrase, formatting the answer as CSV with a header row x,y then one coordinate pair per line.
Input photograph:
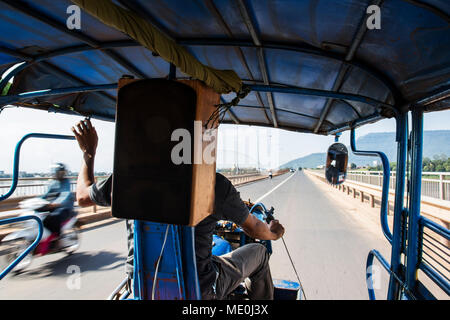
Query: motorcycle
x,y
16,242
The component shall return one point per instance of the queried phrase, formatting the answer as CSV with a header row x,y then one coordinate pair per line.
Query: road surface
x,y
328,239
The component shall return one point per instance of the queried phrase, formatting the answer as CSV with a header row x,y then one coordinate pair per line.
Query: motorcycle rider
x,y
61,203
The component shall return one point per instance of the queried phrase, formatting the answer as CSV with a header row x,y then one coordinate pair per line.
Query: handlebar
x,y
268,213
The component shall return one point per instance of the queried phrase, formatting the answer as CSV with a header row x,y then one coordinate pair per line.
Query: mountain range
x,y
435,143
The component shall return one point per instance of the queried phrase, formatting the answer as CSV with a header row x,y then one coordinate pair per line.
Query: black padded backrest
x,y
147,185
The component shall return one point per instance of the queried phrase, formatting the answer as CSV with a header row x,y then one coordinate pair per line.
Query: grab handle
x,y
15,177
385,191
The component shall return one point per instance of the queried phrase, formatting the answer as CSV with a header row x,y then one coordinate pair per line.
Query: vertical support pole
x,y
172,72
441,186
385,191
398,225
412,252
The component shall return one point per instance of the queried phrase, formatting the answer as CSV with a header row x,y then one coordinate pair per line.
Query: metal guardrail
x,y
244,178
438,188
432,207
33,189
27,188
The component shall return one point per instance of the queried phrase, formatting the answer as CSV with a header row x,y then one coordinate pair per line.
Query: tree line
x,y
439,163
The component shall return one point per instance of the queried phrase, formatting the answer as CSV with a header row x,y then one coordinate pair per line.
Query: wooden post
x,y
362,196
372,201
354,193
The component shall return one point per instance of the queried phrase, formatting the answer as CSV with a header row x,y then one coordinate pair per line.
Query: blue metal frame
x,y
9,99
399,225
177,277
30,248
412,251
369,264
15,177
385,191
444,284
319,93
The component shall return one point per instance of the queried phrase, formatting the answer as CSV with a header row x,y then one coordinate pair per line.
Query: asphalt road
x,y
328,239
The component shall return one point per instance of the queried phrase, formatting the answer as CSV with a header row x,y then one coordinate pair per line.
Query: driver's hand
x,y
87,137
276,228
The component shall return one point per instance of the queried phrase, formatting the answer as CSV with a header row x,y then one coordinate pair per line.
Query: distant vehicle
x,y
292,170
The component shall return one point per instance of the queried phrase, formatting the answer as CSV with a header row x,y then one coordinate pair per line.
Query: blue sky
x,y
38,154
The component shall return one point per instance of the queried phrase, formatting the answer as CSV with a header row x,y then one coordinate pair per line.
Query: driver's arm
x,y
258,229
87,140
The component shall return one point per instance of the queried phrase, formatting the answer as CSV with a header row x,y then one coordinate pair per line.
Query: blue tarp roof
x,y
295,44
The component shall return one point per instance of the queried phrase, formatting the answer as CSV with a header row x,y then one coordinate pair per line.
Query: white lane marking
x,y
279,185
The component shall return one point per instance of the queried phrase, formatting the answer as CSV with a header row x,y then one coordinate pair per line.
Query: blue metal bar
x,y
14,53
138,282
40,16
369,263
399,223
15,177
436,96
319,93
433,275
344,68
440,230
298,47
193,42
31,60
385,191
261,56
51,92
357,123
443,283
240,54
192,284
179,264
412,252
30,248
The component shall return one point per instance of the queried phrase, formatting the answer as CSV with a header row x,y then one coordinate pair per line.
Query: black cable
x,y
293,266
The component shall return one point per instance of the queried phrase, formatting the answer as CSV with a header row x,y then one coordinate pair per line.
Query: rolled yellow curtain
x,y
222,81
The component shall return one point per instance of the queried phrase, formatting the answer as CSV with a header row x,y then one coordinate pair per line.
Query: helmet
x,y
58,170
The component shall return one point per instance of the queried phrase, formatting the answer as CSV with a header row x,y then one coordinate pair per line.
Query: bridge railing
x,y
432,207
434,184
28,187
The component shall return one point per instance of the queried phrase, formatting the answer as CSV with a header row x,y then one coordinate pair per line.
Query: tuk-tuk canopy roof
x,y
311,65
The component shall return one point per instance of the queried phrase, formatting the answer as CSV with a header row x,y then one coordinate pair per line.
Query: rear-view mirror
x,y
336,165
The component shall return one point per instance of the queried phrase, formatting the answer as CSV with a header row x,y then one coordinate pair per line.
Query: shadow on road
x,y
96,261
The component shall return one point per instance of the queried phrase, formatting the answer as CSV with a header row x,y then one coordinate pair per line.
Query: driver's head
x,y
58,171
